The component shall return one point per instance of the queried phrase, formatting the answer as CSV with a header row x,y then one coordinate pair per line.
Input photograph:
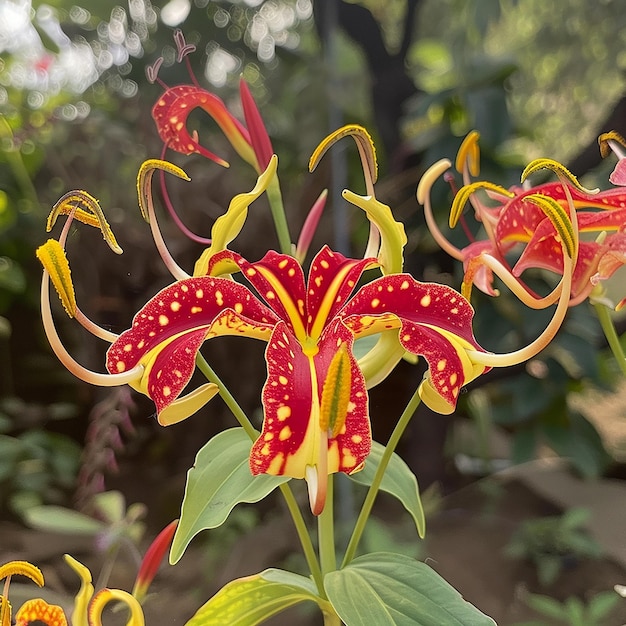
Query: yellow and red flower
x,y
309,431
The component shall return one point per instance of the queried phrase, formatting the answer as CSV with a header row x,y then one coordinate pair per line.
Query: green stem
x,y
331,619
290,500
326,531
305,539
606,322
228,397
372,492
275,198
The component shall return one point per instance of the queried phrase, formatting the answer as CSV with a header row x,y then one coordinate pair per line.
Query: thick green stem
x,y
326,531
292,505
331,619
606,322
305,539
372,492
275,198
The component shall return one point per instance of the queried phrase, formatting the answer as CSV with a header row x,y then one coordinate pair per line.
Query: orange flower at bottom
x,y
39,612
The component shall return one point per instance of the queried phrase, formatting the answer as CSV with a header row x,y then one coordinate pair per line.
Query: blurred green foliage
x,y
552,544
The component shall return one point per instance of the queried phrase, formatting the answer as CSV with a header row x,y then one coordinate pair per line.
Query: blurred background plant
x,y
534,78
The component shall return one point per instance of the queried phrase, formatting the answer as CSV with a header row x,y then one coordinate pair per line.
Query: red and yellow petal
x,y
167,333
39,612
434,321
279,280
519,218
170,114
293,437
332,279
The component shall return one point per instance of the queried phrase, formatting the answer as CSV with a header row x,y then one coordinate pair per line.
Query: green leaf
x,y
62,520
601,605
399,481
547,606
219,480
394,590
254,599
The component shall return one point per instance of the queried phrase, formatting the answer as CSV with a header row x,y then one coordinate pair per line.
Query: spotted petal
x,y
168,332
433,320
292,438
279,280
170,114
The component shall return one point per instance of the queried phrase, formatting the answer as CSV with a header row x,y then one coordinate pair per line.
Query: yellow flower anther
x,y
557,168
336,393
22,568
560,220
52,256
604,141
469,153
144,181
463,195
86,209
13,568
364,144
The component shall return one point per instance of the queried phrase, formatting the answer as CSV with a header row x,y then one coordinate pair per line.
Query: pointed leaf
x,y
253,599
59,519
399,481
394,590
219,480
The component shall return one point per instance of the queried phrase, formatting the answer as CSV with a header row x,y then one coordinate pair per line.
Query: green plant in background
x,y
552,544
36,465
573,611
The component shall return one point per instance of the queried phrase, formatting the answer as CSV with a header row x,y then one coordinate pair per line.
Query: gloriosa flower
x,y
519,219
315,399
88,606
